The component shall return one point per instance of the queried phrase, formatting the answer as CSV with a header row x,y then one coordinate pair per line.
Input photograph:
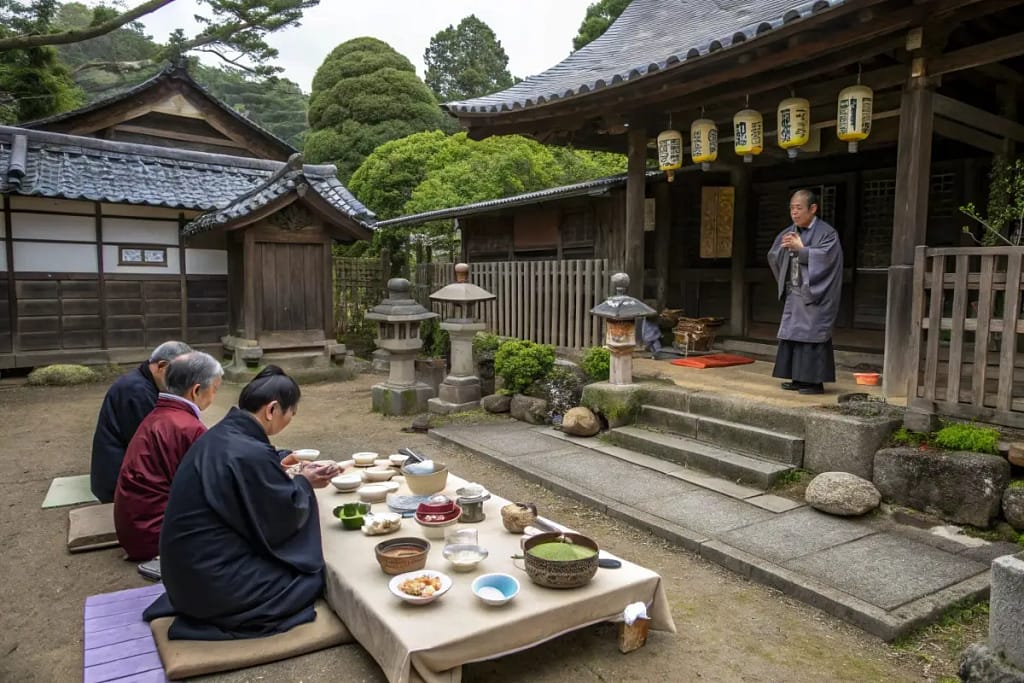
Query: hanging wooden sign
x,y
717,208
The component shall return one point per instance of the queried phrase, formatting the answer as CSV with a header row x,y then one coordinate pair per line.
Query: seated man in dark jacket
x,y
129,399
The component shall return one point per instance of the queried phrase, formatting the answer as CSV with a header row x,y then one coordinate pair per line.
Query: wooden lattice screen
x,y
359,284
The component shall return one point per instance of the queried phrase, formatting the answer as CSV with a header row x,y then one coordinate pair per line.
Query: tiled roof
x,y
44,164
649,36
526,199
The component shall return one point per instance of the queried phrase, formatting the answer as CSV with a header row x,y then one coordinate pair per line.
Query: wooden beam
x,y
12,297
636,186
176,135
739,177
966,134
662,240
978,118
974,56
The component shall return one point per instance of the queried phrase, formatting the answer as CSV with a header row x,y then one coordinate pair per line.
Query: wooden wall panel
x,y
208,309
5,319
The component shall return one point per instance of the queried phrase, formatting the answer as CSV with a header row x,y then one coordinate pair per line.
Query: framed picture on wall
x,y
142,256
155,256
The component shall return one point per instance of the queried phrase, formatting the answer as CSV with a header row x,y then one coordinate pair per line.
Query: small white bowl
x,y
307,454
347,482
346,464
378,473
364,458
372,493
395,582
464,558
436,531
382,462
397,459
495,589
392,486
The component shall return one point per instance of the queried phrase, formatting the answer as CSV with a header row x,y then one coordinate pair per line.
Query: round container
x,y
870,379
495,589
347,482
400,555
517,516
571,573
464,558
382,462
395,584
378,473
372,493
380,523
426,484
352,514
435,530
364,458
306,454
397,459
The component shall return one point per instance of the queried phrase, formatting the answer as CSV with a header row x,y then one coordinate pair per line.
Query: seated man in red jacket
x,y
157,449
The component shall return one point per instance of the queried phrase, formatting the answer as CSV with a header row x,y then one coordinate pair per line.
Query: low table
x,y
431,642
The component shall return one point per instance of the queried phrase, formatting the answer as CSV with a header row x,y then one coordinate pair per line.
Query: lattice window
x,y
874,239
942,196
772,209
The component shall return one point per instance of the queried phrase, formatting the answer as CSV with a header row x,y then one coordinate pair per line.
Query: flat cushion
x,y
187,658
714,360
91,528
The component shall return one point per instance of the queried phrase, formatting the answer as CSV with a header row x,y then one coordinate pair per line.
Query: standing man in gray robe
x,y
807,261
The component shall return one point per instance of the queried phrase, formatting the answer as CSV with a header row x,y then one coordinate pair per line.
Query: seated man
x,y
129,399
240,550
157,449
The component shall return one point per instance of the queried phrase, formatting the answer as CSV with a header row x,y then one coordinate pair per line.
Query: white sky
x,y
536,34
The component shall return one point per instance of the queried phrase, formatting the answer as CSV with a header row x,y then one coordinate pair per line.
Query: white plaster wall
x,y
47,204
206,262
110,265
46,257
136,231
41,226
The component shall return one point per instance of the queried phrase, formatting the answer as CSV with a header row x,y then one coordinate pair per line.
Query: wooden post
x,y
12,283
662,240
910,228
739,178
636,182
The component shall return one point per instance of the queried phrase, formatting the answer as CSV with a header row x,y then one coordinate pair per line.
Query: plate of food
x,y
420,587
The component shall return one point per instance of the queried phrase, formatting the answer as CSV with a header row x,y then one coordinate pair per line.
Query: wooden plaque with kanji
x,y
717,210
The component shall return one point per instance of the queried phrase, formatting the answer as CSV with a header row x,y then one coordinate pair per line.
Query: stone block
x,y
959,486
392,400
844,443
1013,507
920,421
496,403
1006,609
431,371
381,363
617,404
529,409
980,664
842,493
580,421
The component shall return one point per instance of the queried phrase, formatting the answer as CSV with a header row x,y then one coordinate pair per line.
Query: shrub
x,y
435,340
61,375
597,363
905,437
520,363
561,388
485,345
968,437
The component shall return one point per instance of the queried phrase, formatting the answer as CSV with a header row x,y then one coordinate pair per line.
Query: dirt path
x,y
729,629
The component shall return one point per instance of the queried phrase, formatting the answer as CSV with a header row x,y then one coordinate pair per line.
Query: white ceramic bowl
x,y
347,482
395,582
495,589
364,459
397,459
392,486
464,558
378,473
436,531
372,493
382,462
307,454
345,464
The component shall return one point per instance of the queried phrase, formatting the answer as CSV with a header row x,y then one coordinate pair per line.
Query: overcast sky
x,y
536,34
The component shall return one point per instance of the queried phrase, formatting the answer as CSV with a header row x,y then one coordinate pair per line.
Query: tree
x,y
599,17
364,94
466,61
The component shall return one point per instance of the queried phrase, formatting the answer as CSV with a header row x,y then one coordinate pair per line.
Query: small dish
x,y
378,473
435,530
436,505
307,454
380,523
352,515
346,464
392,486
382,462
347,482
397,459
495,589
372,493
869,379
364,458
443,582
464,558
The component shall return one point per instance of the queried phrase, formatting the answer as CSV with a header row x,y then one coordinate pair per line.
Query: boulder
x,y
959,486
580,422
496,403
842,493
529,409
981,664
1013,507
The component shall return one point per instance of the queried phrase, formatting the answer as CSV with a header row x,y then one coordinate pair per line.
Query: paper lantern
x,y
703,142
670,152
748,134
853,117
794,124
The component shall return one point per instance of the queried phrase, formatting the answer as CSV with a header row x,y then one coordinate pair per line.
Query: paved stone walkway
x,y
885,577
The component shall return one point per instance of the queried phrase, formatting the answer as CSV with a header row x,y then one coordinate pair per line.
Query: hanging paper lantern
x,y
670,152
703,142
853,118
748,134
794,124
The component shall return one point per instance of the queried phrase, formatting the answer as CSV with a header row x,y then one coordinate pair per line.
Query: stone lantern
x,y
398,320
620,312
460,390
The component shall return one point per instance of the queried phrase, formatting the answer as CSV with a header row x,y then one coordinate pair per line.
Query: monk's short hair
x,y
168,351
271,384
806,195
190,369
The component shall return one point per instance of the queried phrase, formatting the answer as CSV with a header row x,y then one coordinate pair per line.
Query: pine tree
x,y
466,61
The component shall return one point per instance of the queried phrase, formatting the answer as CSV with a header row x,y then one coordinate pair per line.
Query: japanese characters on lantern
x,y
853,115
794,124
703,142
748,134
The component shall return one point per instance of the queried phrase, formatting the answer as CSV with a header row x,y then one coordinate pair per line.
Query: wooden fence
x,y
359,285
547,302
966,343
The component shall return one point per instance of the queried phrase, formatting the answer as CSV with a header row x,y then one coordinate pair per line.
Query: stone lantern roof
x,y
399,306
621,306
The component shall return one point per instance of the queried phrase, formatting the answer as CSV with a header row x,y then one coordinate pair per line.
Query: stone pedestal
x,y
460,390
389,399
620,370
1006,609
381,361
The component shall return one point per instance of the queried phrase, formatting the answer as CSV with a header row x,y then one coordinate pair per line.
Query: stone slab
x,y
1006,611
519,442
91,528
65,491
794,534
704,511
990,551
774,503
885,569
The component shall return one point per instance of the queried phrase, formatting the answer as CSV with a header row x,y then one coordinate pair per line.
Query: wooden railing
x,y
547,302
966,343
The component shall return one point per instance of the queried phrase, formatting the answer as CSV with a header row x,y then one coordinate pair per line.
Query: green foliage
x,y
561,388
1017,484
486,344
1004,223
968,437
61,375
520,363
597,363
365,94
599,17
466,61
905,437
129,43
436,342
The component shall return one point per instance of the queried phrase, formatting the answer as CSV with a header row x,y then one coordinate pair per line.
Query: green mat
x,y
69,491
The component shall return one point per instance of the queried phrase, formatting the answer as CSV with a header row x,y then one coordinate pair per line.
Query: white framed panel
x,y
47,204
3,260
206,262
51,257
139,231
111,255
41,226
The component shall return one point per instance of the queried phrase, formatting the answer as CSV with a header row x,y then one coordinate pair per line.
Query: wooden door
x,y
290,287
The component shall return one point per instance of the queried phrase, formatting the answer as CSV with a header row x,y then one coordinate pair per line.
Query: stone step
x,y
763,443
686,451
731,408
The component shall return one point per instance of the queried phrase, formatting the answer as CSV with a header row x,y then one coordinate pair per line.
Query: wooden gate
x,y
291,291
966,342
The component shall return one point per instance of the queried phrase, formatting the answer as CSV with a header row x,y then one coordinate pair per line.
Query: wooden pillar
x,y
636,182
101,277
12,296
910,228
739,178
662,240
183,276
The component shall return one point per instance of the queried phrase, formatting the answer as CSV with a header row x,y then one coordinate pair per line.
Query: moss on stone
x,y
62,375
618,405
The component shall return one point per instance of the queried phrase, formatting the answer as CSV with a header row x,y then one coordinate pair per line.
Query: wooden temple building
x,y
161,213
947,83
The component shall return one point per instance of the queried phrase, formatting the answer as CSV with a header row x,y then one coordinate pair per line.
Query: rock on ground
x,y
580,422
842,493
1013,507
496,403
529,409
979,664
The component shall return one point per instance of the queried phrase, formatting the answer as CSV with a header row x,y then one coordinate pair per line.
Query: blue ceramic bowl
x,y
495,589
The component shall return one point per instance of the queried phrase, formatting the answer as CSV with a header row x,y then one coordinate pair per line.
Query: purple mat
x,y
118,643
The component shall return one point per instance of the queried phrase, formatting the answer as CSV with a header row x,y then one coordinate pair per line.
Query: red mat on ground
x,y
714,360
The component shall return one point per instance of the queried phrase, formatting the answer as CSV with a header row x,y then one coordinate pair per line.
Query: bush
x,y
561,388
905,437
520,363
597,363
485,345
61,375
436,342
967,437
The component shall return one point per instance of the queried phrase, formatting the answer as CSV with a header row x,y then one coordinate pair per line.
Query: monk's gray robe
x,y
810,282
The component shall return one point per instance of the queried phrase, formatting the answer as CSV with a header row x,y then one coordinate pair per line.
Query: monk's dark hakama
x,y
240,549
810,282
